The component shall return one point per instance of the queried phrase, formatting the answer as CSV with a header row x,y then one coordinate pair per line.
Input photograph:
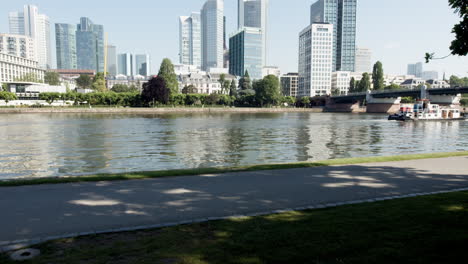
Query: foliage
x,y
190,89
52,78
84,81
49,97
166,71
245,83
464,102
288,100
7,96
233,88
352,85
29,77
459,46
364,84
156,90
177,99
99,82
305,101
393,86
246,98
460,82
122,88
378,76
407,100
225,84
267,91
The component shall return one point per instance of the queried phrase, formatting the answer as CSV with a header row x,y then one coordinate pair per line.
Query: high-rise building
x,y
13,67
65,38
342,14
289,84
415,69
190,39
315,60
134,64
212,27
90,45
142,64
125,64
341,81
37,26
245,53
112,60
363,60
18,45
254,13
430,75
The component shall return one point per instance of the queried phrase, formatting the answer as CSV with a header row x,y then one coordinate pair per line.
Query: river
x,y
58,145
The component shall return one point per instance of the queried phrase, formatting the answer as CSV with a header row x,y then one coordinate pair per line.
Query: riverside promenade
x,y
32,214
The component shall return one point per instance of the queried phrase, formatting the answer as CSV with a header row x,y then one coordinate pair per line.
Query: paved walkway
x,y
34,212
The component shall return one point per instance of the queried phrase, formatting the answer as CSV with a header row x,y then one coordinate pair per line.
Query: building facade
x,y
16,23
13,68
363,60
125,64
342,14
112,60
246,53
90,45
415,69
65,38
254,13
18,45
289,84
133,64
271,70
315,60
341,81
142,64
204,83
430,75
212,32
190,40
136,81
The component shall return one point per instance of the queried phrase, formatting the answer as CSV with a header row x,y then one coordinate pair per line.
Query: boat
x,y
423,110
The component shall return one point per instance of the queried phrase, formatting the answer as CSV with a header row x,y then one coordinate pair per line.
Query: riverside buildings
x,y
289,84
190,40
133,64
342,15
111,60
415,69
65,38
212,34
90,45
246,52
363,60
14,67
315,60
18,45
36,26
254,13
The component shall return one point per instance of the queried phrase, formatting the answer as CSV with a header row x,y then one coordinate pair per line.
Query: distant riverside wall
x,y
159,110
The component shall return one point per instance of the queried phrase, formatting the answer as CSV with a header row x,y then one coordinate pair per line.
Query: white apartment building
x,y
18,45
412,83
341,82
271,70
390,79
438,84
315,60
363,60
204,83
13,67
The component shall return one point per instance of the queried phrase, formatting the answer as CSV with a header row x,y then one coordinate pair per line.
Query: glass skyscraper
x,y
342,14
245,52
90,45
112,60
65,36
142,64
190,39
254,13
212,31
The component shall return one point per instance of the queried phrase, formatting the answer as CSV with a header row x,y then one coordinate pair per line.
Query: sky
x,y
397,31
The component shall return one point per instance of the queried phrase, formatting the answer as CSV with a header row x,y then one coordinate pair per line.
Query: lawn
x,y
428,229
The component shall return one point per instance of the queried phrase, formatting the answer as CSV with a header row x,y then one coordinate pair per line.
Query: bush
x,y
464,102
407,100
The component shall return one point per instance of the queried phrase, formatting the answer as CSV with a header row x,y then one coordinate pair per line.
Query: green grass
x,y
201,171
428,229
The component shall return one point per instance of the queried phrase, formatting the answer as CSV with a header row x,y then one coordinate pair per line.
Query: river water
x,y
44,145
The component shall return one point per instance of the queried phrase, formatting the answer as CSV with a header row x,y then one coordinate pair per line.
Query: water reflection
x,y
40,145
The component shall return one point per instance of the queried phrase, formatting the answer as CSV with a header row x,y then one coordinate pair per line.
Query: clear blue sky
x,y
398,31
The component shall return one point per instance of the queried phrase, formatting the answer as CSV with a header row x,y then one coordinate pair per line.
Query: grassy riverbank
x,y
201,171
429,229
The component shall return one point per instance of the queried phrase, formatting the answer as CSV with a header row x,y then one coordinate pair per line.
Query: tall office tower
x,y
415,69
142,64
245,52
254,13
65,38
315,60
430,75
363,60
18,46
37,26
342,14
90,45
112,60
190,40
212,25
125,64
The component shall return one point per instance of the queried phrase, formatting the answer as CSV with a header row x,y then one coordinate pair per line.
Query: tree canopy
x,y
122,88
267,91
52,78
7,96
167,72
29,77
84,81
245,83
99,82
156,91
364,84
378,76
459,46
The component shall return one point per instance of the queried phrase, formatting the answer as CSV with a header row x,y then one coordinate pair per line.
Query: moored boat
x,y
423,110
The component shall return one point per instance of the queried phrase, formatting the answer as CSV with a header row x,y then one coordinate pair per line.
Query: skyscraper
x,y
363,60
125,64
112,60
212,27
37,26
254,13
18,45
90,45
142,64
245,52
342,14
65,38
315,60
415,69
190,39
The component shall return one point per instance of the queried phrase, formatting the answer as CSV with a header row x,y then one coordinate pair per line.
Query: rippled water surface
x,y
40,145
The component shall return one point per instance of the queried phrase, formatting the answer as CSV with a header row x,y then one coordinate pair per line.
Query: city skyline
x,y
396,42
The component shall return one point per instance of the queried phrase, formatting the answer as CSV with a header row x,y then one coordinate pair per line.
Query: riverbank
x,y
204,171
122,110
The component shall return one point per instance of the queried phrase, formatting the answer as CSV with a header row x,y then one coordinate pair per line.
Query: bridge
x,y
389,101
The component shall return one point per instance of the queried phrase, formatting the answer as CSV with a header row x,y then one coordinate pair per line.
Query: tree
x,y
460,82
99,82
352,85
52,78
190,89
392,86
155,90
29,77
233,88
365,83
122,88
7,96
84,81
166,71
4,87
267,91
222,81
245,82
378,76
49,97
305,101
